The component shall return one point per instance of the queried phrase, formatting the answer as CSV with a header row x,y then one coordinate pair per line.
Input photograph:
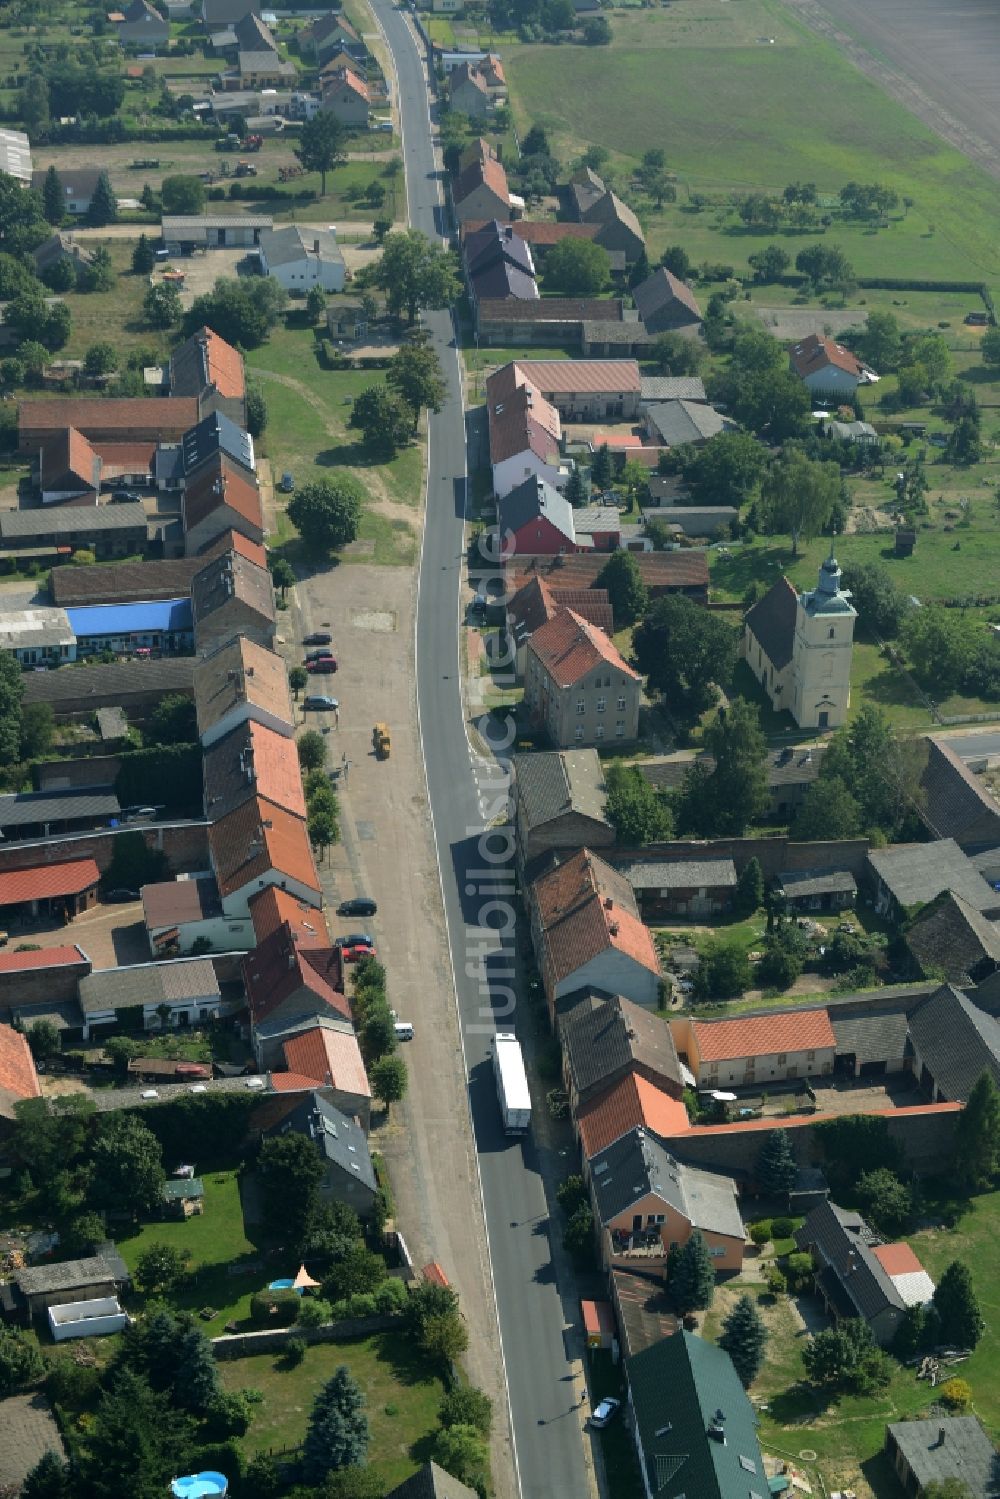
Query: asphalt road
x,y
543,1396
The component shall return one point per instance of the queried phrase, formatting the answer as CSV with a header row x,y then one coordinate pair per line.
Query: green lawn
x,y
758,63
402,1399
115,315
219,1247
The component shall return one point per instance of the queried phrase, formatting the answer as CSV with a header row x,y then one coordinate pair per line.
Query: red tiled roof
x,y
279,968
586,908
764,1035
272,907
71,453
224,364
492,64
818,353
350,80
630,1102
520,420
242,672
897,1259
660,571
326,1056
150,413
292,1082
45,881
486,172
222,482
576,376
234,541
569,647
18,1078
48,957
255,840
539,231
538,601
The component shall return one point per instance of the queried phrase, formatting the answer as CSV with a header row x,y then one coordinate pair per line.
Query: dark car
x,y
323,665
320,703
318,637
355,939
119,897
125,497
361,905
319,654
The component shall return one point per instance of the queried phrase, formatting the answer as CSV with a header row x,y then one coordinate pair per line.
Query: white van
x,y
404,1030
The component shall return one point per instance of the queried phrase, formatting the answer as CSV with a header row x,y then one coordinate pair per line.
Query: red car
x,y
356,952
323,667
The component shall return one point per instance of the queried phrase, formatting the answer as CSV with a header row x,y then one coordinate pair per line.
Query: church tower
x,y
821,652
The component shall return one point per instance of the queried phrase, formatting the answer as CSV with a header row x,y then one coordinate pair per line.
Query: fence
x,y
275,1339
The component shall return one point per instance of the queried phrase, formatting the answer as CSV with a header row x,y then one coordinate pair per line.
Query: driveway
x,y
111,936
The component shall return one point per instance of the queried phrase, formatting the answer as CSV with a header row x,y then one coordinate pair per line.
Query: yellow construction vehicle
x,y
382,741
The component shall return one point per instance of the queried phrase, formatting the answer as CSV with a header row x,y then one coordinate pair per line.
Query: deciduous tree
x,y
629,596
290,1171
322,146
414,273
415,374
127,1166
327,513
577,268
638,813
798,495
684,650
386,420
828,810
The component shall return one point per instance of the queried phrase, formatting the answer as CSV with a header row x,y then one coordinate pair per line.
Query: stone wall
x,y
274,1339
775,854
185,845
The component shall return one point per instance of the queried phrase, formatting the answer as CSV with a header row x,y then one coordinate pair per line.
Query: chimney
x,y
249,671
609,904
613,928
315,246
941,1436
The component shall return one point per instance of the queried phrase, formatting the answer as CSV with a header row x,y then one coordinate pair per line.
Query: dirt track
x,y
944,67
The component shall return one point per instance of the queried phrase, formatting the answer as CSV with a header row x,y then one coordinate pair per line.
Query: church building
x,y
798,646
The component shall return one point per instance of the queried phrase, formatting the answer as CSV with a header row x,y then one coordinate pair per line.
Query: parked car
x,y
323,665
119,897
125,497
318,637
403,1030
604,1412
359,905
356,953
316,701
287,484
319,654
355,939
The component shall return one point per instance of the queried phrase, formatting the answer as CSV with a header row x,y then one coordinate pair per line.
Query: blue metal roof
x,y
157,617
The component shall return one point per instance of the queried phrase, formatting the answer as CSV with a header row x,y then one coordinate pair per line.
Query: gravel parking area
x,y
29,1431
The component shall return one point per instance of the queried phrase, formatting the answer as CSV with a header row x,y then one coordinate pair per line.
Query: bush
x,y
361,1305
956,1394
760,1232
274,1308
390,1297
314,1312
782,1228
776,1282
798,1270
295,1350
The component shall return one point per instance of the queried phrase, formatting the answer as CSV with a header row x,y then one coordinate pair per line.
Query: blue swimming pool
x,y
284,1285
207,1485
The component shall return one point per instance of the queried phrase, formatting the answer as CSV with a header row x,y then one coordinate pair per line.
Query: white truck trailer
x,y
512,1083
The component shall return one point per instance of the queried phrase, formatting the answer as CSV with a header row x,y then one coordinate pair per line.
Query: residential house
x,y
586,931
952,1042
577,685
178,913
78,184
498,264
629,1105
262,68
348,1173
954,802
340,60
949,937
524,432
38,1287
18,1078
241,681
559,801
583,390
37,636
862,433
756,1050
328,35
430,1481
540,235
299,259
671,423
108,531
252,34
321,1057
185,992
799,647
816,889
620,229
64,888
826,367
58,248
206,367
680,572
257,845
682,887
538,601
468,93
480,190
274,907
585,190
216,14
694,1427
69,469
184,233
665,303
535,520
857,1275
221,498
943,1450
292,982
347,98
908,875
231,596
607,1039
645,1200
252,761
213,437
143,27
129,419
710,522
133,686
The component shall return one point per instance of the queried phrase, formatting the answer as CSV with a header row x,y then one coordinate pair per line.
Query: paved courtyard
x,y
28,1430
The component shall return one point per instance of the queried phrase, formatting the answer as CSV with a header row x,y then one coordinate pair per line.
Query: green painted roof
x,y
183,1191
682,1389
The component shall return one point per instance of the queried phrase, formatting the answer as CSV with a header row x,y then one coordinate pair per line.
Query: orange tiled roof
x,y
569,647
234,541
764,1035
326,1056
45,881
258,839
630,1102
18,1078
224,365
897,1259
277,772
219,483
279,969
538,601
48,957
586,908
350,80
242,672
292,1082
817,353
273,907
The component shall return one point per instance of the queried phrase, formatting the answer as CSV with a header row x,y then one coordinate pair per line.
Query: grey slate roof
x,y
532,499
148,984
915,873
604,1036
671,388
953,938
949,1447
119,679
678,422
637,1165
679,874
799,883
71,520
177,225
880,1036
27,808
956,1040
771,621
70,1275
497,281
842,1242
342,1140
660,290
552,784
493,242
954,802
431,1482
291,243
683,1388
216,434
